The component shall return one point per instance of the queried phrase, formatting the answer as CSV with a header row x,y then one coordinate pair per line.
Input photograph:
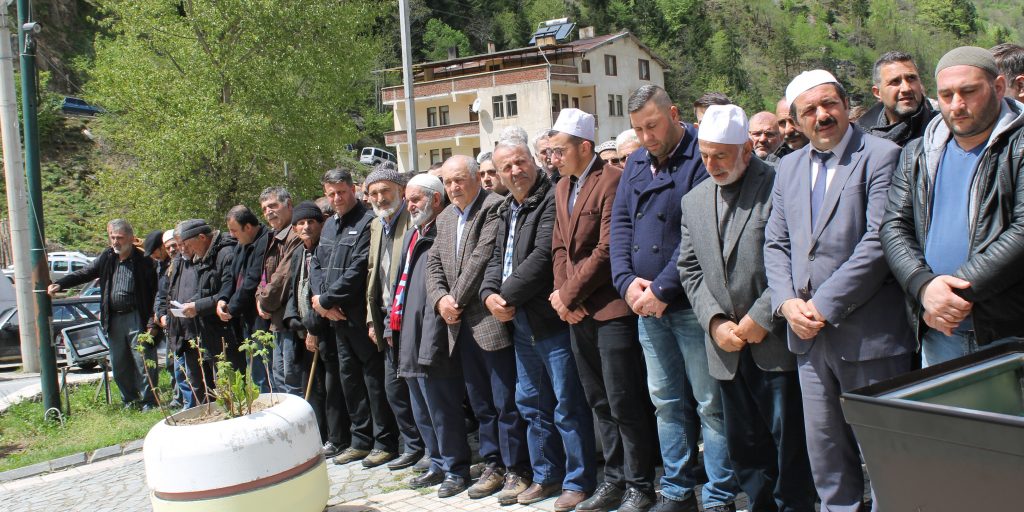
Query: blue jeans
x,y
938,348
188,399
559,424
686,398
287,361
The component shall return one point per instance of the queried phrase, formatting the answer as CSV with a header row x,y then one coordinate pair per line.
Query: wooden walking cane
x,y
312,372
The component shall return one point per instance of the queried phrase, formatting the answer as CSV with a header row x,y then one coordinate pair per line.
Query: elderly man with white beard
x,y
385,189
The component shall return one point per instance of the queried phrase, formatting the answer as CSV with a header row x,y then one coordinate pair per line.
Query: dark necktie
x,y
820,182
573,180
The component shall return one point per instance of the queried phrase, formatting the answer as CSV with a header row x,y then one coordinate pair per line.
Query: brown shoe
x,y
539,492
568,500
489,483
515,484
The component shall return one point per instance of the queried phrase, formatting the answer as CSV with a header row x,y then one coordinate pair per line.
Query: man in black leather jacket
x,y
952,230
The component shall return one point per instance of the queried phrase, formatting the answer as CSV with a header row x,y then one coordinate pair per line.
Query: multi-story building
x,y
462,104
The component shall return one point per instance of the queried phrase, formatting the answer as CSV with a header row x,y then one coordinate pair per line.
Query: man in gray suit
x,y
466,231
721,265
829,279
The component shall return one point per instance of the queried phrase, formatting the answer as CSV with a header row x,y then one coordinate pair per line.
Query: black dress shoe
x,y
428,479
422,466
606,497
665,504
330,449
451,486
405,460
635,500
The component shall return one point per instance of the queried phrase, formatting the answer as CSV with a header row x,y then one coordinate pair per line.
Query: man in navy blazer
x,y
829,278
644,249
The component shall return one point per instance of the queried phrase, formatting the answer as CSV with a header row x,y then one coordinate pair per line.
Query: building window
x,y
575,103
615,105
435,156
610,68
511,105
444,116
476,152
431,117
585,65
446,153
558,102
497,107
645,69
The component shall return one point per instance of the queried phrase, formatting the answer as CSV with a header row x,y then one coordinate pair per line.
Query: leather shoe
x,y
568,500
378,457
451,486
351,455
405,460
665,504
330,449
539,492
476,470
515,484
731,507
489,483
428,479
422,466
606,497
635,500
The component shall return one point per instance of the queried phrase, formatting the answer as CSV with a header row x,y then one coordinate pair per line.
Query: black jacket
x,y
874,122
143,270
216,282
996,224
532,278
248,261
312,323
179,330
339,268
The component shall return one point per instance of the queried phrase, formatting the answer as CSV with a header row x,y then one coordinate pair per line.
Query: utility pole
x,y
40,273
410,107
17,202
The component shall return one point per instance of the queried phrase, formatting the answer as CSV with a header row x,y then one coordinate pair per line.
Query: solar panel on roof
x,y
562,32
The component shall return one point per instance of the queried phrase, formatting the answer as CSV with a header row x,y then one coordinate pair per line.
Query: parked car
x,y
66,313
78,106
61,263
374,156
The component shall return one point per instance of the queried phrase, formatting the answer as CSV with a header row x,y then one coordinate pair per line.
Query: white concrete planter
x,y
269,460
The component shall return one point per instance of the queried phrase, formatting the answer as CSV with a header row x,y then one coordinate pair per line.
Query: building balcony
x,y
435,133
470,84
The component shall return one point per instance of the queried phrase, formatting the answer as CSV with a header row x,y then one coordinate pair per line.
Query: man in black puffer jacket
x,y
953,230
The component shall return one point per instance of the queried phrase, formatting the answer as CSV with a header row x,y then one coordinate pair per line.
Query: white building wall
x,y
627,54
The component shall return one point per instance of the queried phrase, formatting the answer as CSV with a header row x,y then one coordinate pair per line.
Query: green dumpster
x,y
946,438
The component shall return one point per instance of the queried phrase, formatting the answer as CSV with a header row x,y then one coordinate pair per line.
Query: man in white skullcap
x,y
829,278
606,151
644,249
602,329
721,265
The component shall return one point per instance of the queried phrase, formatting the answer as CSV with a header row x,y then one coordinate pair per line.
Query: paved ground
x,y
118,485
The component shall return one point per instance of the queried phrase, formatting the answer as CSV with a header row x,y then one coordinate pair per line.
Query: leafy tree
x,y
209,101
439,37
958,17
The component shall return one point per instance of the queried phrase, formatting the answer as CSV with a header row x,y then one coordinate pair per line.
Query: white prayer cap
x,y
575,122
168,235
724,124
808,80
608,145
424,180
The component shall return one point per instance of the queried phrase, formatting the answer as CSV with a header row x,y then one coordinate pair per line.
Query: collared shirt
x,y
463,219
577,184
122,294
837,153
655,164
390,225
513,218
384,262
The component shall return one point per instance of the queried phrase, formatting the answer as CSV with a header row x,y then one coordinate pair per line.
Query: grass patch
x,y
25,438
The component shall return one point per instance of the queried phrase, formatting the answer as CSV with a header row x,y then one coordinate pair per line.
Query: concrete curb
x,y
70,461
35,389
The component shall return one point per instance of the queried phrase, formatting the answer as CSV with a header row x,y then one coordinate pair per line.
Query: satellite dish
x,y
476,105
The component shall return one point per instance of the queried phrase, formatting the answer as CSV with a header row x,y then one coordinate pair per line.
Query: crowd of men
x,y
557,292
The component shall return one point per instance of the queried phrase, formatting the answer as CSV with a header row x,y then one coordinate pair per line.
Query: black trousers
x,y
326,397
362,379
398,396
764,428
613,374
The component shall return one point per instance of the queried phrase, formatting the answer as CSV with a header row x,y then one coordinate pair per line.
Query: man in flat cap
x,y
829,279
602,329
386,189
128,287
644,250
952,229
721,264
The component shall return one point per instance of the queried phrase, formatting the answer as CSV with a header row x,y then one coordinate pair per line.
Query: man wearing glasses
x,y
606,151
764,133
